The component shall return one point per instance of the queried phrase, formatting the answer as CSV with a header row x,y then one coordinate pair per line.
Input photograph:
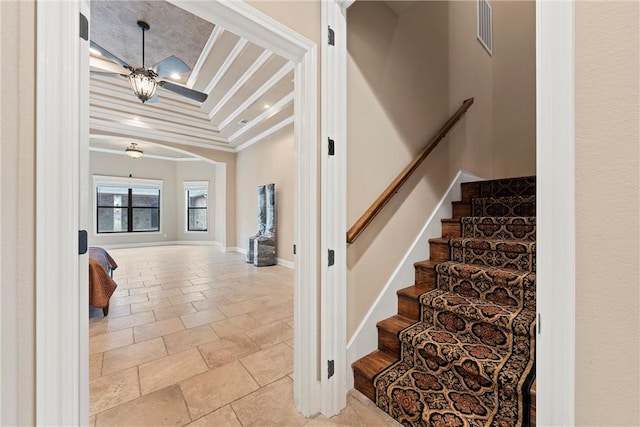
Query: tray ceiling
x,y
250,89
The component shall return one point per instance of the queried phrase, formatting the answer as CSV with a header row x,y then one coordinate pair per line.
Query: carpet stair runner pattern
x,y
461,351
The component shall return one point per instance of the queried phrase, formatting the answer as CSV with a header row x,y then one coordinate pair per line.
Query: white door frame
x,y
555,200
61,340
333,279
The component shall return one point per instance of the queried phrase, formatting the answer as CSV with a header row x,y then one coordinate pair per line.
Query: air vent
x,y
244,121
485,25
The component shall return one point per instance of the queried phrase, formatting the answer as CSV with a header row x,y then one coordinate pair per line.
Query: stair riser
x,y
425,277
470,190
409,308
388,341
499,188
451,230
511,207
495,258
461,209
363,384
503,228
439,251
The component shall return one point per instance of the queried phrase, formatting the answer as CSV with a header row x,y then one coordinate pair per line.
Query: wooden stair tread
x,y
413,291
451,220
441,240
395,323
373,363
427,263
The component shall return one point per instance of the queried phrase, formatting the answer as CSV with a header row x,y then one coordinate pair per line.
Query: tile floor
x,y
198,337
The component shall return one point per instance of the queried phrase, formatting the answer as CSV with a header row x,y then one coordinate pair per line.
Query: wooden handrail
x,y
393,188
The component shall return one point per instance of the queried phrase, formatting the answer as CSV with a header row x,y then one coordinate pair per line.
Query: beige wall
x,y
607,214
17,212
172,216
406,75
270,161
514,88
397,95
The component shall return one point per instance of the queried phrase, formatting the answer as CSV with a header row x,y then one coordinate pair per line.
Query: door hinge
x,y
331,257
84,27
539,324
332,37
294,249
82,242
332,148
330,368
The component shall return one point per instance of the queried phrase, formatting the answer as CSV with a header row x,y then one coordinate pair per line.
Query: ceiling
x,y
250,88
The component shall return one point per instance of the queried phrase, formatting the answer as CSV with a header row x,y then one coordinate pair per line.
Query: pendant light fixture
x,y
134,151
143,81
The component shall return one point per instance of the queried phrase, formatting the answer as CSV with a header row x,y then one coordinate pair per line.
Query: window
x,y
197,204
127,205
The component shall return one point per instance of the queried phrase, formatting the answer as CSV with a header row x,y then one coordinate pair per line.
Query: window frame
x,y
129,184
193,186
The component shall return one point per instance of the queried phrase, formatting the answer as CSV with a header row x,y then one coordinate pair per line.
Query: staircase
x,y
461,350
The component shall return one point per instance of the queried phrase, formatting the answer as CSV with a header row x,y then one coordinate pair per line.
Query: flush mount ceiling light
x,y
144,81
134,151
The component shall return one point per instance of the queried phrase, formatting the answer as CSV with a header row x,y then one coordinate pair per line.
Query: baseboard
x,y
285,263
162,243
365,338
235,249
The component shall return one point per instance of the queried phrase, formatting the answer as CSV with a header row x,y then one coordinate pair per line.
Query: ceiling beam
x,y
286,69
208,47
228,62
277,107
258,63
273,129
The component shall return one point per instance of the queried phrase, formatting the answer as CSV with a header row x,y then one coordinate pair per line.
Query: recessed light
x,y
95,51
267,106
175,76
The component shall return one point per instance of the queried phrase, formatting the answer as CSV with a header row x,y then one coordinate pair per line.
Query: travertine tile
x,y
271,314
190,338
210,303
92,421
235,325
157,329
216,292
170,284
238,308
227,349
121,310
216,388
112,390
222,417
145,290
170,370
355,414
165,407
268,365
289,321
195,288
201,318
181,299
174,311
150,305
104,342
270,406
97,326
164,294
95,365
132,299
130,321
271,334
289,342
133,355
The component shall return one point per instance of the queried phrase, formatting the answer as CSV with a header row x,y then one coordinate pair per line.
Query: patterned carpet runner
x,y
469,361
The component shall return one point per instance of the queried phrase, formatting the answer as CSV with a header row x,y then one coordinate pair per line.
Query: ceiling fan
x,y
144,81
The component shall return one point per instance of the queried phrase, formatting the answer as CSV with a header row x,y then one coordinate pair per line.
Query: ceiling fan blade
x,y
107,73
169,66
109,66
106,54
184,91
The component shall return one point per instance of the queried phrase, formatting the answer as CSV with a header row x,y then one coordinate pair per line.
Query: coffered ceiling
x,y
250,89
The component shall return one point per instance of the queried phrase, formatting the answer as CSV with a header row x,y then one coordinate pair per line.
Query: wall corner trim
x,y
365,338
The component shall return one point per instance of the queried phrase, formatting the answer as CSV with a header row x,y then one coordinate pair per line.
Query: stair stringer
x,y
365,338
